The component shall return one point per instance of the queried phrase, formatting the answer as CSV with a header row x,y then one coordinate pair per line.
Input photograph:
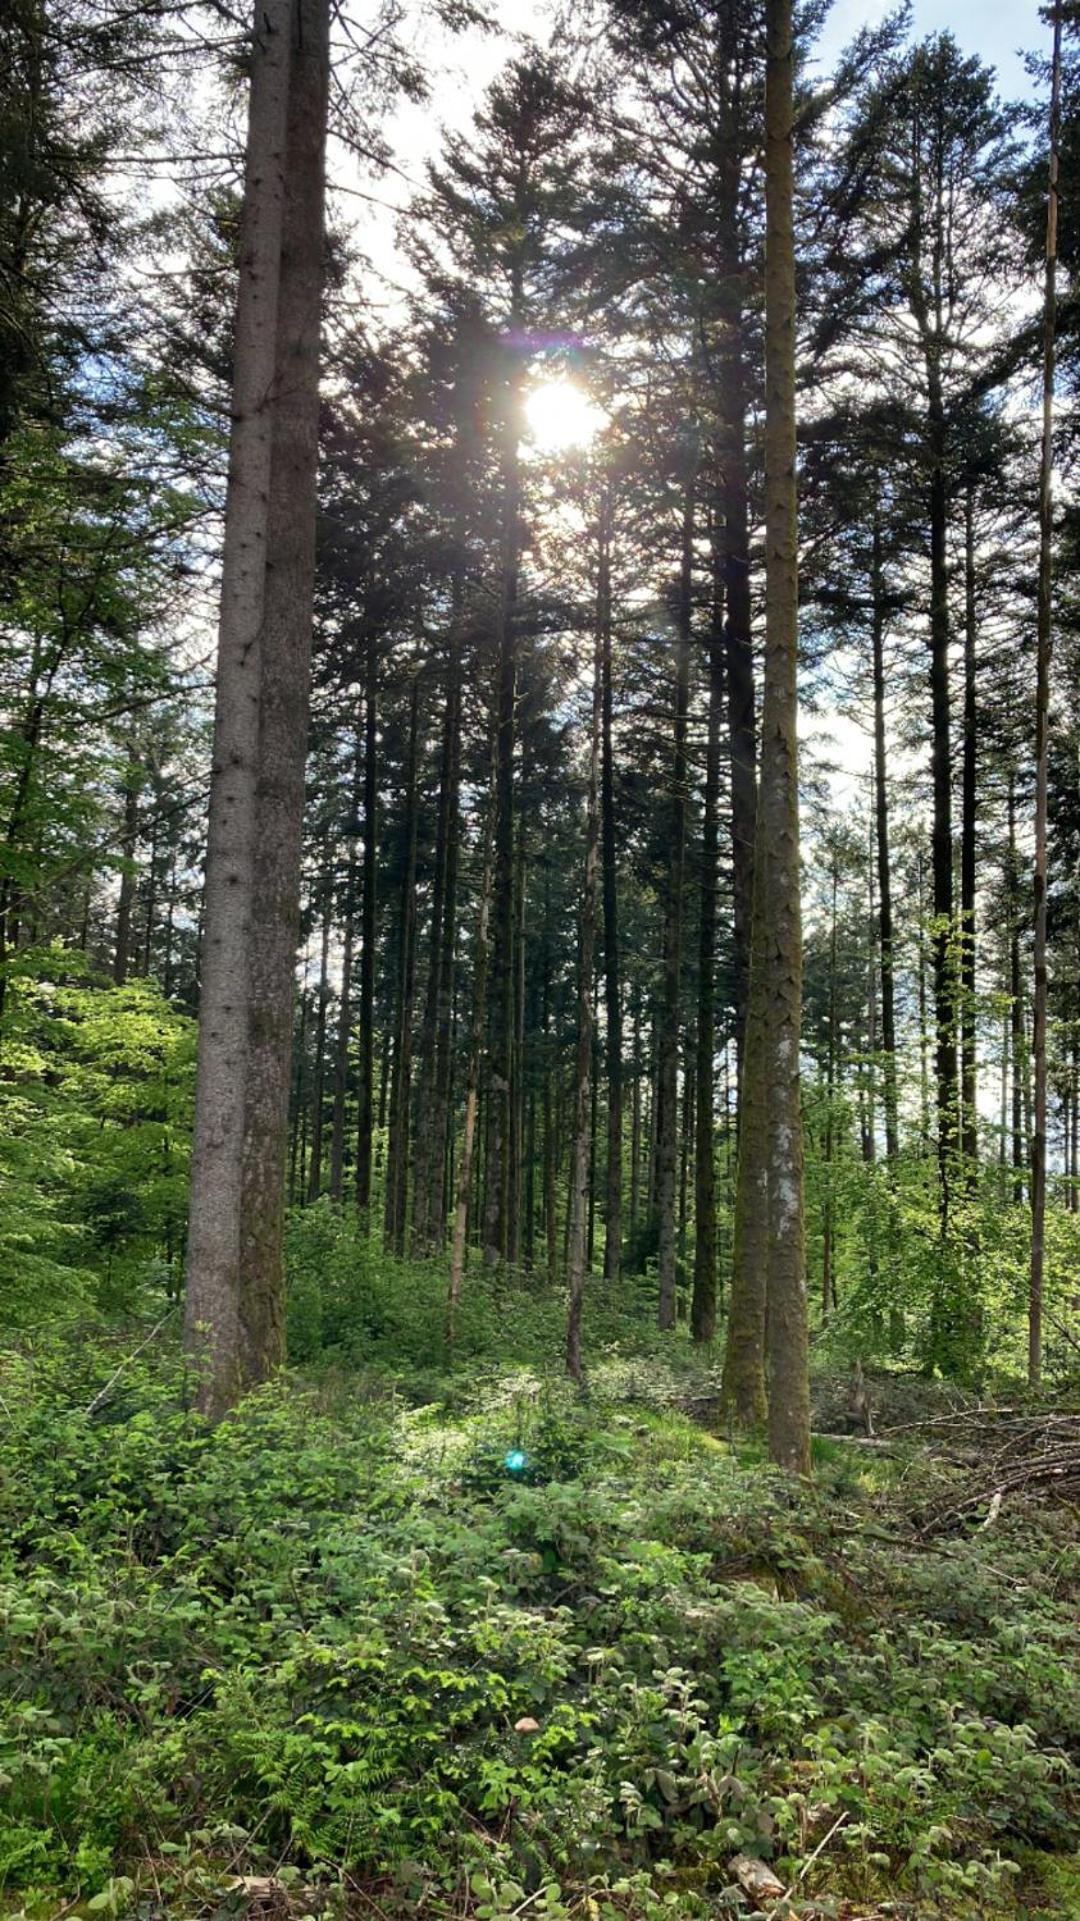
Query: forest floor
x,y
385,1644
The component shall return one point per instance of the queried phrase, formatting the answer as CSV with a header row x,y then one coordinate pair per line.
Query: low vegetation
x,y
446,1638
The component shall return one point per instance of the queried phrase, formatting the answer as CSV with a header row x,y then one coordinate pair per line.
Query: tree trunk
x,y
366,1110
285,692
884,870
397,1155
129,840
667,1084
430,1155
969,1131
613,1210
1042,737
344,1026
776,889
583,1058
475,1060
703,1300
314,1185
234,1317
501,1037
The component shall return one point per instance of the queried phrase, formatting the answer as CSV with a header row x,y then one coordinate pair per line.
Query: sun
x,y
561,416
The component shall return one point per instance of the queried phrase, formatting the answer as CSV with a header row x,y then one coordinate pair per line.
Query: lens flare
x,y
561,416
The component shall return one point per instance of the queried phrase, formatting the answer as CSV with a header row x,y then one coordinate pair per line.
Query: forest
x,y
539,960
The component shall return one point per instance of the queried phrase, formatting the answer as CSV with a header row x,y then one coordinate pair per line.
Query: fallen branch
x,y
102,1396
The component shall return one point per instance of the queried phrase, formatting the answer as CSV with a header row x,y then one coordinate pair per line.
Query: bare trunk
x,y
234,1310
366,1113
778,905
884,869
472,1073
703,1300
285,693
1042,739
583,1059
613,1212
667,1084
397,1153
969,1132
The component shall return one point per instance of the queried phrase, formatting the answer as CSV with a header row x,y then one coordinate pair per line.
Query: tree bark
x,y
234,1317
667,1083
884,868
475,1062
777,882
497,1172
366,1012
703,1299
581,1136
129,840
314,1186
285,694
344,1026
1042,737
397,1154
613,1039
969,1127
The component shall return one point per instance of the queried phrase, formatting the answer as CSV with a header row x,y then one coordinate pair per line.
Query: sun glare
x,y
560,416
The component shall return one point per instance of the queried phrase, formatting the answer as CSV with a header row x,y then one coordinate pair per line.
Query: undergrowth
x,y
510,1651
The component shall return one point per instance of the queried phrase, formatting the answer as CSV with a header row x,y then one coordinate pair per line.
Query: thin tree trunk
x,y
613,1210
497,1170
583,1057
884,870
129,840
475,1060
344,1025
314,1185
828,1279
1042,737
703,1299
366,1113
667,1083
430,1154
397,1163
969,1134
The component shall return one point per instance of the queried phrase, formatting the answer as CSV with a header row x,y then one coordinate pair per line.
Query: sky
x,y
1000,31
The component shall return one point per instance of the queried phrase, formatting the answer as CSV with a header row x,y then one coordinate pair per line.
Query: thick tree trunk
x,y
1042,738
777,903
667,1084
285,693
234,1315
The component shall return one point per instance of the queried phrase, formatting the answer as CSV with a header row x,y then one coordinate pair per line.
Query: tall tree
x,y
1042,733
777,876
234,1315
